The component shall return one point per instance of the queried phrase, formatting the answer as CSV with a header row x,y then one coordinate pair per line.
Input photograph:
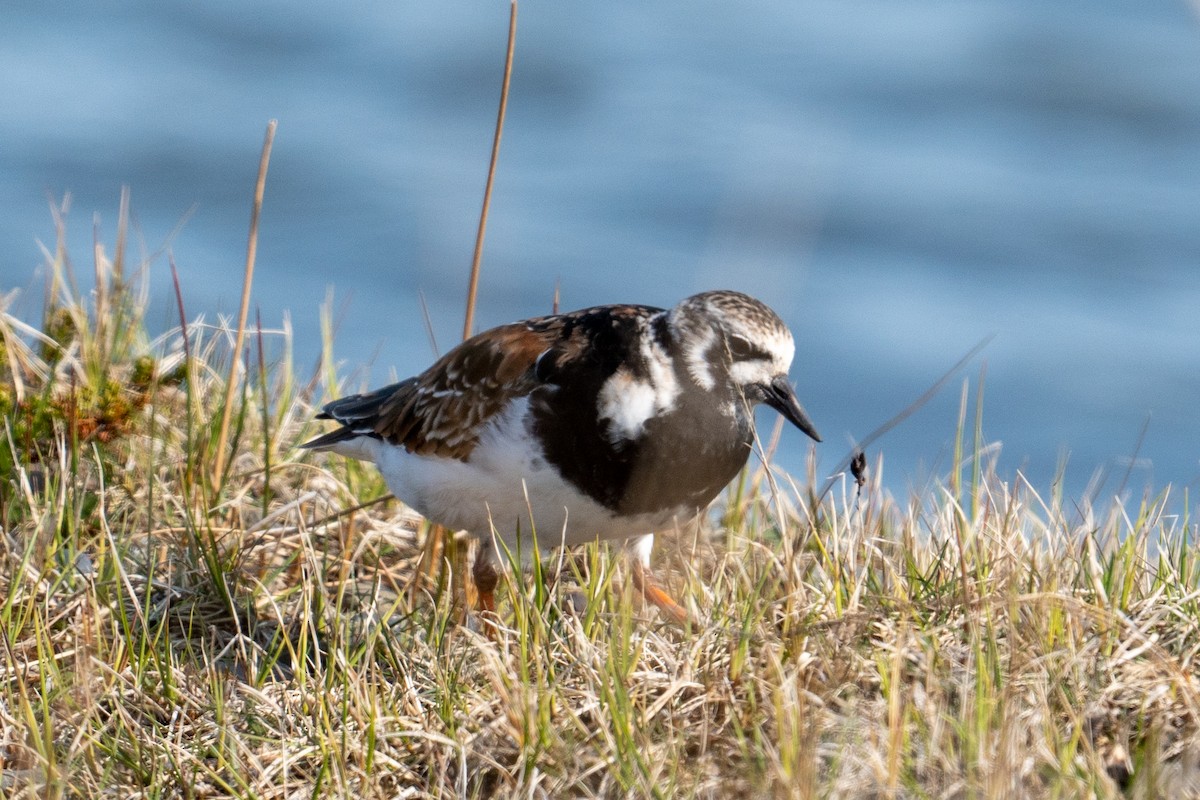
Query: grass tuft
x,y
167,633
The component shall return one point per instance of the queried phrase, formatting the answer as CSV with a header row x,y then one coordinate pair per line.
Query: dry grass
x,y
171,633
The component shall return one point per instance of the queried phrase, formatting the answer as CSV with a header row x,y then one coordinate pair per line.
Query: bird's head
x,y
731,338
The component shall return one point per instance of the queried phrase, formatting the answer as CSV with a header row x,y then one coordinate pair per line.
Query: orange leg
x,y
484,574
647,586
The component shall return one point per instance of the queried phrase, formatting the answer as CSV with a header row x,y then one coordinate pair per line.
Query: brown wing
x,y
446,407
442,410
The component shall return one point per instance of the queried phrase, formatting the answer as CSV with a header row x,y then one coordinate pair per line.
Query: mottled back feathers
x,y
443,410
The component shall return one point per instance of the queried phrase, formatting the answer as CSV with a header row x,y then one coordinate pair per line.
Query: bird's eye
x,y
741,349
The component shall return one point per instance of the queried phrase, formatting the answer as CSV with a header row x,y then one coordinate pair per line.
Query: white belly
x,y
496,488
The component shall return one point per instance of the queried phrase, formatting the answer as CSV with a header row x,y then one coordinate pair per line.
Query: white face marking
x,y
696,359
662,375
781,347
745,373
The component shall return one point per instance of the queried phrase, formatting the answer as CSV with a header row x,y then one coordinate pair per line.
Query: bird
x,y
611,422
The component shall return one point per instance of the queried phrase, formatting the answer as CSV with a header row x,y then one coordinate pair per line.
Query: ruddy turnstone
x,y
610,422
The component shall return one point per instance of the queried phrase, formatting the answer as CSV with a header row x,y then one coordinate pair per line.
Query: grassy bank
x,y
178,624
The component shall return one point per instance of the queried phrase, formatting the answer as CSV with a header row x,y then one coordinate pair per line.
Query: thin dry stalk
x,y
247,281
473,286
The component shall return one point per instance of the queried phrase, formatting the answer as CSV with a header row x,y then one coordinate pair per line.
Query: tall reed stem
x,y
473,285
247,280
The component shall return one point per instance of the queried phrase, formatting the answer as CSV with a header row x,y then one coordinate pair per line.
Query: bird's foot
x,y
646,585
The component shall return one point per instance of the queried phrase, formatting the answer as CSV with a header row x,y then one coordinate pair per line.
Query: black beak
x,y
780,396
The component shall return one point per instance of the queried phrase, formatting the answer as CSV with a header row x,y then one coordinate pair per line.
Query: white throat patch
x,y
627,402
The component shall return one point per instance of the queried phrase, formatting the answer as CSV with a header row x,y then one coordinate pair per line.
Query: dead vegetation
x,y
168,629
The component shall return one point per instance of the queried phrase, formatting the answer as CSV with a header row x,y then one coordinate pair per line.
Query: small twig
x,y
433,345
102,283
1137,449
183,326
911,409
251,251
345,512
118,261
473,286
189,396
266,411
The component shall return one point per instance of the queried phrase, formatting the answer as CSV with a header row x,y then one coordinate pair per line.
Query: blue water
x,y
898,180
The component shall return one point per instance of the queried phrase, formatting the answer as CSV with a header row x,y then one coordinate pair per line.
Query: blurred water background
x,y
898,180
